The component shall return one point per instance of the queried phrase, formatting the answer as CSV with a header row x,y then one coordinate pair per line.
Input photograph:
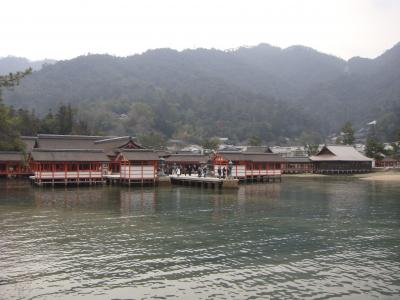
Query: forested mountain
x,y
262,91
13,64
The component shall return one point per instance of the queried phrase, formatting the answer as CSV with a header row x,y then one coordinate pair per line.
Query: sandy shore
x,y
381,176
377,176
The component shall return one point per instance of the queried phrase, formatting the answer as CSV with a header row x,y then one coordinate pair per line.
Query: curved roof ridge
x,y
68,150
117,138
72,136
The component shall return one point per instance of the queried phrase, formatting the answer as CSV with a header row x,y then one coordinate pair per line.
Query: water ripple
x,y
207,245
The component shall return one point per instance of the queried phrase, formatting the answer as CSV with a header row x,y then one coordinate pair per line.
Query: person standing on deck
x,y
223,172
219,171
178,171
205,171
190,170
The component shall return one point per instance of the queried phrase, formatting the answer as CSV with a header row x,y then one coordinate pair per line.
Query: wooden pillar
x,y
141,164
65,173
52,173
90,173
154,171
129,174
77,168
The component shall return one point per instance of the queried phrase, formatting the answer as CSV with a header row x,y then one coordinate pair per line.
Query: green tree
x,y
81,127
27,122
152,140
374,148
11,80
348,134
311,149
254,141
211,144
9,135
65,119
48,124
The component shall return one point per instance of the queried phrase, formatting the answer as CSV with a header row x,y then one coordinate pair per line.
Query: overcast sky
x,y
64,29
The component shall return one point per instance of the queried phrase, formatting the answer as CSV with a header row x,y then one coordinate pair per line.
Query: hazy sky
x,y
67,28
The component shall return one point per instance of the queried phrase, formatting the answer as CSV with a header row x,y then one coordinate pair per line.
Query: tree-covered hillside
x,y
263,91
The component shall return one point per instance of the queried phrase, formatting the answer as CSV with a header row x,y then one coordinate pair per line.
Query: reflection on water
x,y
299,239
138,201
86,197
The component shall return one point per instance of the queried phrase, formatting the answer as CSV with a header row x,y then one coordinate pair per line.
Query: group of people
x,y
223,172
201,171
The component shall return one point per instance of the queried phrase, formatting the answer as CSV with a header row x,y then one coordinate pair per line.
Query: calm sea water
x,y
302,238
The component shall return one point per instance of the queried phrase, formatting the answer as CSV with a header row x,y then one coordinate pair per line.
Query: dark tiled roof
x,y
258,149
52,141
297,159
110,145
163,153
69,155
11,156
139,154
261,157
107,143
251,156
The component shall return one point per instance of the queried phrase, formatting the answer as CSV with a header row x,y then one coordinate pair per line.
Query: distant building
x,y
296,159
55,147
68,166
229,148
257,149
340,160
13,164
174,145
388,162
249,165
298,165
138,165
110,145
223,140
195,149
291,151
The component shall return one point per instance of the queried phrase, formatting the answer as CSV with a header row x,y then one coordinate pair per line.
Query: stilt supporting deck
x,y
204,182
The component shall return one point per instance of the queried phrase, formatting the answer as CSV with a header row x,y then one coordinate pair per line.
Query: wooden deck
x,y
66,181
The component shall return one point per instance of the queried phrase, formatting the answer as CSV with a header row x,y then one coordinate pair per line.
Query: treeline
x,y
22,122
237,116
9,135
64,121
